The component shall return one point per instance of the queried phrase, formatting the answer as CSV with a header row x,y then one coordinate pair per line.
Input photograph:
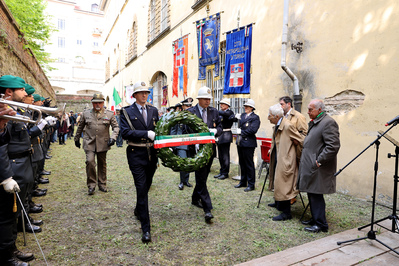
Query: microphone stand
x,y
371,234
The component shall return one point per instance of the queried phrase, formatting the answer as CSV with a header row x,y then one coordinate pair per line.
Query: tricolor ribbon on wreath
x,y
187,139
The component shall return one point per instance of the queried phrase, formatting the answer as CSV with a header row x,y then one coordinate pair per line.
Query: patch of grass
x,y
101,229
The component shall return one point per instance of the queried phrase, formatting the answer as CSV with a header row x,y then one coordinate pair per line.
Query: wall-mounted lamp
x,y
297,47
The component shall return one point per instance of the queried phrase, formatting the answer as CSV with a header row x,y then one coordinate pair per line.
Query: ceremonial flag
x,y
150,98
129,95
187,139
208,32
115,100
164,95
237,79
180,60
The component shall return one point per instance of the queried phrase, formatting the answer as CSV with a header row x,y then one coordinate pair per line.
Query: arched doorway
x,y
158,81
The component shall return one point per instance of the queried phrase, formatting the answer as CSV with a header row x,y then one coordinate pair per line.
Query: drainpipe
x,y
297,95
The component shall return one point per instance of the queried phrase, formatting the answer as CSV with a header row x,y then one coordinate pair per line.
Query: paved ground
x,y
325,251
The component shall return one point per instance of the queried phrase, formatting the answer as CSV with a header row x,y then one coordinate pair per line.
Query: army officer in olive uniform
x,y
97,141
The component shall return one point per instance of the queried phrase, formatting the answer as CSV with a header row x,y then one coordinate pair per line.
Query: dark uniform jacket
x,y
249,126
5,168
227,119
213,119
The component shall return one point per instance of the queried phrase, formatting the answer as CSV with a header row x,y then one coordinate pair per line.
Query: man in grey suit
x,y
318,164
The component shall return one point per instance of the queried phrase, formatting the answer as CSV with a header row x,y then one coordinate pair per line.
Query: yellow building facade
x,y
348,58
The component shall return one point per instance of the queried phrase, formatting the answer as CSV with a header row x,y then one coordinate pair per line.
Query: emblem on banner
x,y
236,75
180,57
209,40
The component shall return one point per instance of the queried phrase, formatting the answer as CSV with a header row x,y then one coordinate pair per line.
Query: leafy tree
x,y
36,27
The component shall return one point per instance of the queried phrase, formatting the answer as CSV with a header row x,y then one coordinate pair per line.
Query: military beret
x,y
36,97
42,98
29,89
12,82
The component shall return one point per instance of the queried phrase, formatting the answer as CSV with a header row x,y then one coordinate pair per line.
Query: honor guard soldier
x,y
246,143
137,126
97,141
210,116
225,139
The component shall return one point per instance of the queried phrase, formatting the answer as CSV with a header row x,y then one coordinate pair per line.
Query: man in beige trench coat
x,y
283,161
97,141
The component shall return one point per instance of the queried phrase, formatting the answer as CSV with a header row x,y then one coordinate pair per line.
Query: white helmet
x,y
225,101
250,103
140,86
204,93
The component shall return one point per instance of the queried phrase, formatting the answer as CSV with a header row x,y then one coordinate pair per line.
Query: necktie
x,y
144,113
204,115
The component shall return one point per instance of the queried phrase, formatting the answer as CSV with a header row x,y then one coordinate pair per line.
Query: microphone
x,y
396,119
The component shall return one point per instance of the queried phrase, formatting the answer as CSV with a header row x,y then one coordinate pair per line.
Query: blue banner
x,y
151,95
237,79
208,32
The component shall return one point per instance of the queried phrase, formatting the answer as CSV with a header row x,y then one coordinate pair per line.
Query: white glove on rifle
x,y
213,130
10,185
42,124
238,131
196,148
151,134
51,120
238,116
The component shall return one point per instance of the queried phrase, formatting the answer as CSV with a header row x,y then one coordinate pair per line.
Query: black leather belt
x,y
16,155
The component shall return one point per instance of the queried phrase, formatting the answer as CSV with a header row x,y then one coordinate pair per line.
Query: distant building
x,y
76,46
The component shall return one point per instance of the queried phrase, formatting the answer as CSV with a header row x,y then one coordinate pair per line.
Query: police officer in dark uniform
x,y
225,139
210,116
137,126
246,143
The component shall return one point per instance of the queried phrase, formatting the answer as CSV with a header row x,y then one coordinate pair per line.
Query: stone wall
x,y
76,103
18,61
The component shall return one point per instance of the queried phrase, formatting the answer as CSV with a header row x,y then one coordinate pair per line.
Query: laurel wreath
x,y
169,159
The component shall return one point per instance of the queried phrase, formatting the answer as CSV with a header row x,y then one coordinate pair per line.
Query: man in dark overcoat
x,y
210,116
138,123
319,163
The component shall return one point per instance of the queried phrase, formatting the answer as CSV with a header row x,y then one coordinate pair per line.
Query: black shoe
x,y
43,180
37,193
181,186
48,157
103,189
30,229
249,189
35,209
309,222
316,229
273,205
187,184
240,185
91,191
217,176
197,204
221,177
23,256
146,237
31,204
208,217
282,217
44,172
35,222
41,189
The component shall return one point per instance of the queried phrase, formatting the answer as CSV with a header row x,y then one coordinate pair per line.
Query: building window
x,y
94,8
152,19
95,44
164,15
61,42
132,47
61,24
61,60
79,42
107,70
158,83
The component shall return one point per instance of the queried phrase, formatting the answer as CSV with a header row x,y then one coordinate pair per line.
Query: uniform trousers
x,y
246,161
224,158
200,191
318,209
143,171
91,168
184,176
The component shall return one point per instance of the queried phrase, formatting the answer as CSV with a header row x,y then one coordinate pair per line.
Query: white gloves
x,y
238,116
196,148
10,185
51,120
42,124
151,134
213,130
239,131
